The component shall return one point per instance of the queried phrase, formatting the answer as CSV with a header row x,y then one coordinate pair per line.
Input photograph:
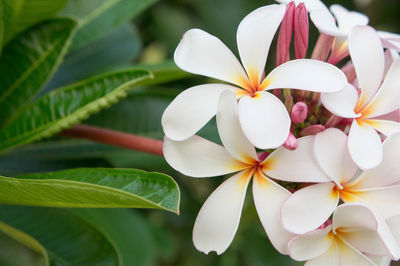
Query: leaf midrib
x,y
97,12
52,125
33,67
62,183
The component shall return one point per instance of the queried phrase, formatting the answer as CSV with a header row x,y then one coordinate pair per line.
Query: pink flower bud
x,y
301,30
327,223
349,71
285,35
323,47
299,113
312,130
291,142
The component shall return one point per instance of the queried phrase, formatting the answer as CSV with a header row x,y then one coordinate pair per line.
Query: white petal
x,y
254,37
381,260
295,166
368,60
307,74
384,199
310,207
364,229
390,40
388,97
264,119
329,258
394,225
311,245
355,216
330,148
218,219
364,145
310,4
326,23
386,127
348,19
191,110
348,255
201,53
342,103
230,131
198,157
268,199
390,57
387,173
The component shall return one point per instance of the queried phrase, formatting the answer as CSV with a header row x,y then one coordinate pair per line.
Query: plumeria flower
x,y
218,219
354,230
324,160
376,98
339,26
263,116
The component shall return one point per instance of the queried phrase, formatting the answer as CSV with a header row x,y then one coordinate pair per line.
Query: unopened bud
x,y
312,130
285,35
301,31
323,47
291,142
299,113
349,71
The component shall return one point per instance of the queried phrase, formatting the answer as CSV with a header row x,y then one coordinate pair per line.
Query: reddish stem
x,y
115,138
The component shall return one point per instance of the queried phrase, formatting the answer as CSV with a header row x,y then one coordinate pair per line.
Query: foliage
x,y
107,63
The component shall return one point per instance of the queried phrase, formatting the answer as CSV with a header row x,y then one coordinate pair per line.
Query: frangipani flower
x,y
323,159
339,26
218,219
354,230
263,117
375,98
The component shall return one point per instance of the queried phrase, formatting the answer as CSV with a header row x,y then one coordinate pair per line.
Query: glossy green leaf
x,y
21,14
129,232
92,188
119,47
28,62
67,106
68,239
19,248
99,17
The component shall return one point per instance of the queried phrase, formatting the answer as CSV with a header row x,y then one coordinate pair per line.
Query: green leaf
x,y
18,248
21,14
1,26
67,106
99,17
119,47
69,240
92,188
127,230
28,62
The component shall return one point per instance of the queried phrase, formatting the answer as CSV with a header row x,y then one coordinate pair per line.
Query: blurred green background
x,y
161,238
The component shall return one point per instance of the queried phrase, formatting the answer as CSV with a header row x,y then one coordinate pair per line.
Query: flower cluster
x,y
330,133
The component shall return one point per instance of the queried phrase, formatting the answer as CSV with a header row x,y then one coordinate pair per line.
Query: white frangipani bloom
x,y
310,4
339,26
376,98
218,219
354,230
263,116
323,159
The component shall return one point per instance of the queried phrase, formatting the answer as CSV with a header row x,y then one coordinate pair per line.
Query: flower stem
x,y
115,138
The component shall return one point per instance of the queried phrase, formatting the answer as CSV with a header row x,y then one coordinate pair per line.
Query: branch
x,y
115,138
